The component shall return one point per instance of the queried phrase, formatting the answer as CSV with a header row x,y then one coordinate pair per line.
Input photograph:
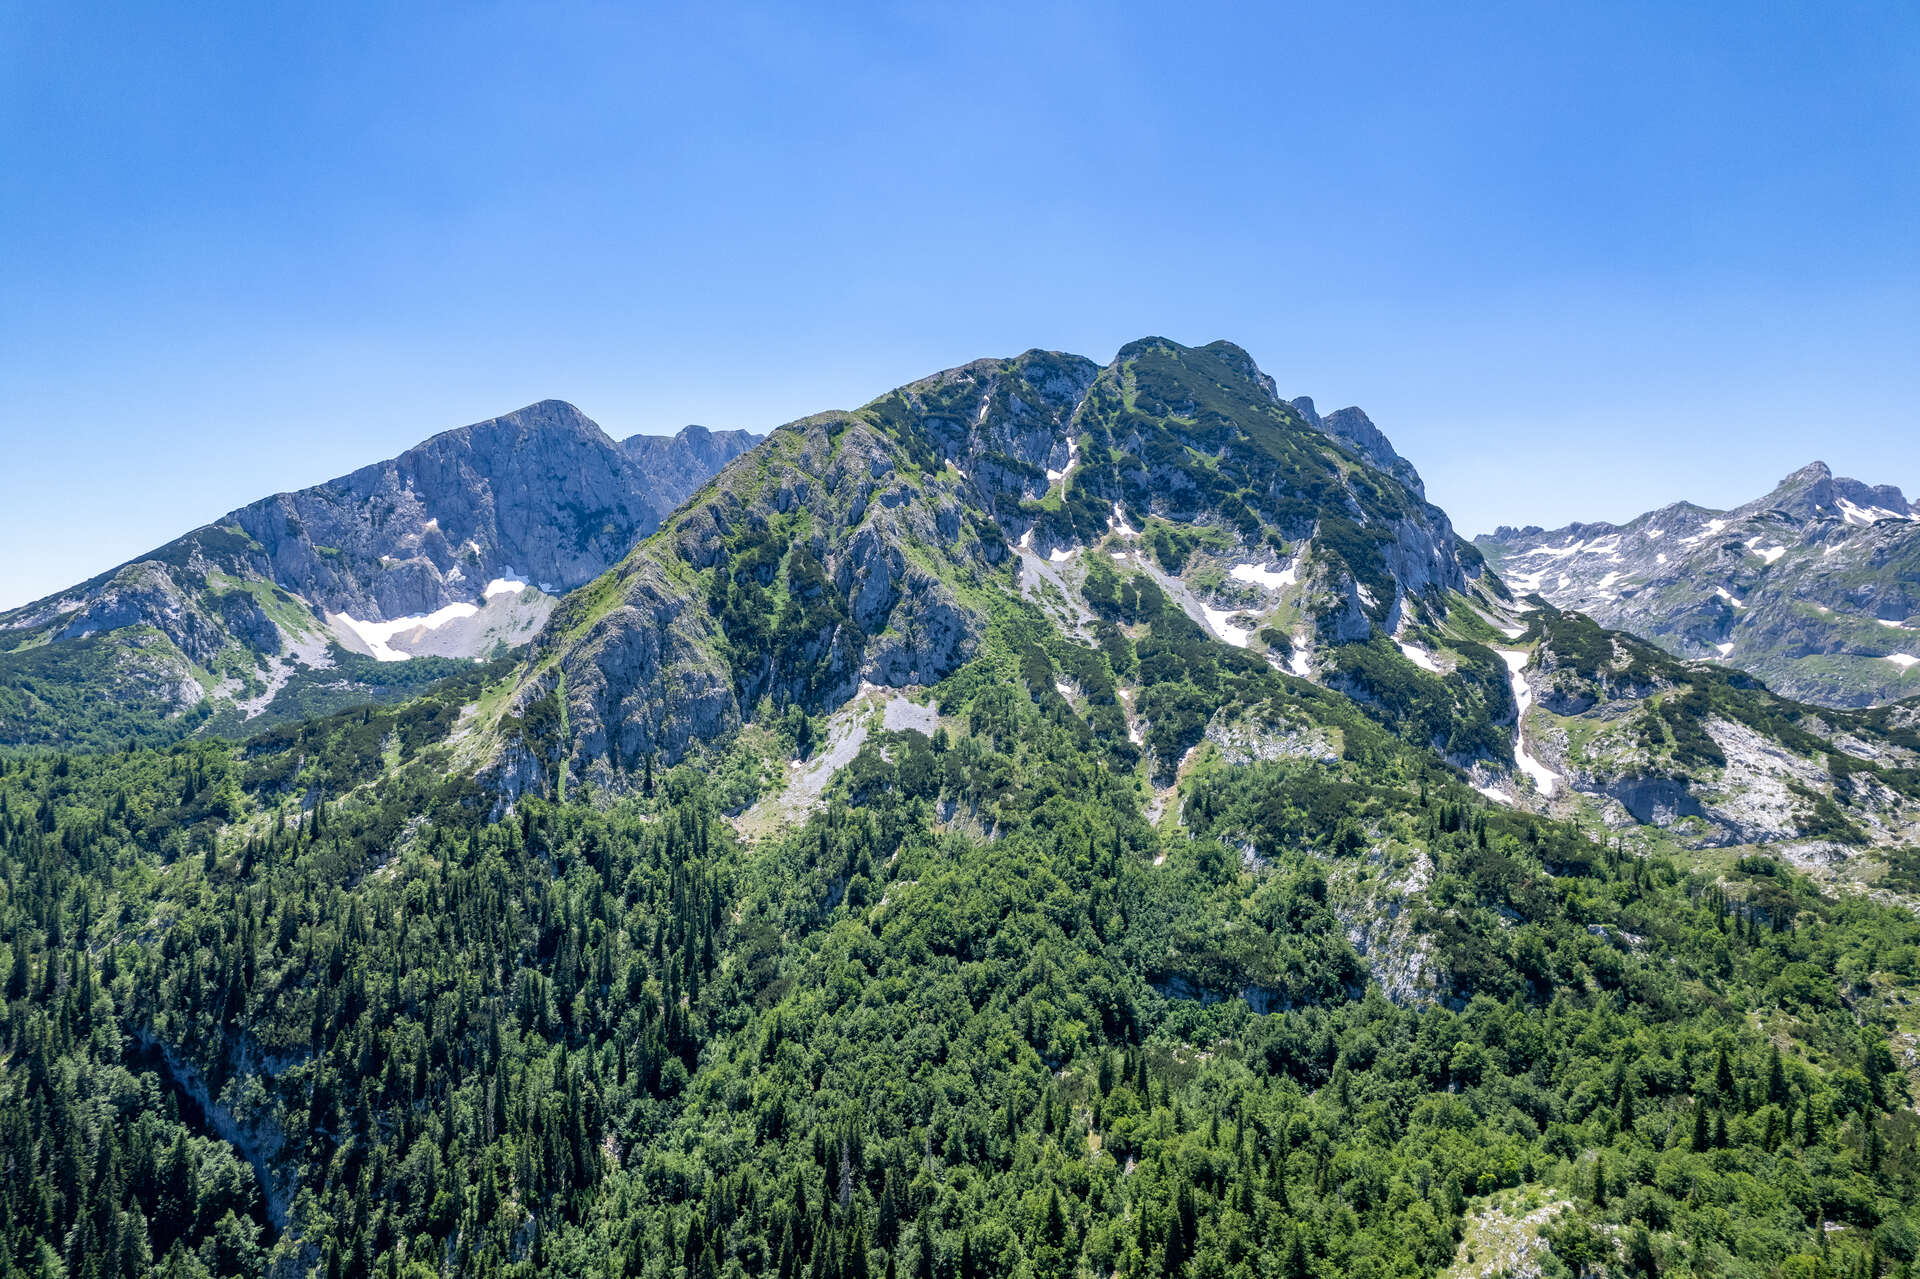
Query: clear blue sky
x,y
1577,260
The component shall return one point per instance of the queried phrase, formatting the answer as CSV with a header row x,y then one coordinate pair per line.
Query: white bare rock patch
x,y
1377,914
1247,741
808,780
1753,796
1503,1237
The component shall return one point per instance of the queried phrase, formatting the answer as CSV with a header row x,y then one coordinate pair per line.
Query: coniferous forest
x,y
314,1003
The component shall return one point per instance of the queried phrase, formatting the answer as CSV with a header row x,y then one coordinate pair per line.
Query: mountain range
x,y
1058,818
1815,587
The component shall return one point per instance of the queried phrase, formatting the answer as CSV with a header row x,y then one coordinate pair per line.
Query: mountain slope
x,y
313,1006
1815,587
450,549
925,854
875,547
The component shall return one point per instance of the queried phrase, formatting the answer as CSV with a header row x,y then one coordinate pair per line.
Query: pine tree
x,y
1776,1077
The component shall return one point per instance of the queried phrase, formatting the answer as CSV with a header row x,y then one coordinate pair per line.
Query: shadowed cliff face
x,y
871,546
1815,587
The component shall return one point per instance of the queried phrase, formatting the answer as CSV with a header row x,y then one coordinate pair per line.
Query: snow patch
x,y
377,635
1729,597
1609,545
1866,514
1528,583
1712,527
1073,460
508,583
1724,649
1260,575
1119,523
1058,556
1902,660
1543,777
1418,656
1218,624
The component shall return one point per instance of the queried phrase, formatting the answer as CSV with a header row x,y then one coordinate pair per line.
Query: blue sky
x,y
1576,260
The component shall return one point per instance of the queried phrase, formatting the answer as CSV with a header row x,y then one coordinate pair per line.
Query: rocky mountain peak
x,y
452,548
864,548
1357,429
1814,492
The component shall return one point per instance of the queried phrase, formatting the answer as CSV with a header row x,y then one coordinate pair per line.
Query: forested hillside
x,y
1052,821
301,1006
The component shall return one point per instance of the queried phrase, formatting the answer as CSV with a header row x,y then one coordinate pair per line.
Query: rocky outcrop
x,y
543,494
683,642
1357,429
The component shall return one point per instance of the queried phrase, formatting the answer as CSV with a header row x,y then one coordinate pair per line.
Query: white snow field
x,y
509,583
1073,460
1218,624
1712,527
1418,656
1867,514
1270,578
377,634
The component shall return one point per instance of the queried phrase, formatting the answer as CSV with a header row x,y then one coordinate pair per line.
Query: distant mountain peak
x,y
1814,492
451,548
1813,587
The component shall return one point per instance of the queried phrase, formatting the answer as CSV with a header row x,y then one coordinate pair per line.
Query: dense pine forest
x,y
316,1004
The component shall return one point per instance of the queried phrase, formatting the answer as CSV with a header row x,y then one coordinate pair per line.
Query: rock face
x,y
1815,588
1710,756
863,547
1357,429
449,549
